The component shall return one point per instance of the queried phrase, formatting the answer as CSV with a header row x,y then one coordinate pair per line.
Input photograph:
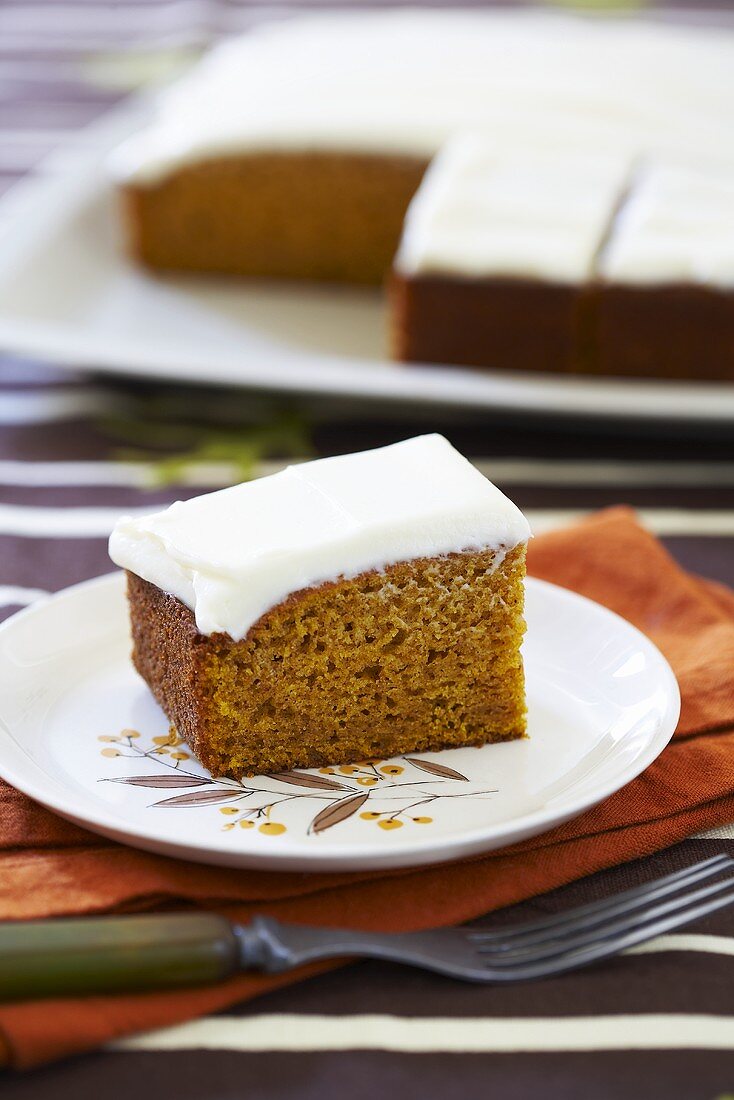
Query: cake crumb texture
x,y
246,215
421,656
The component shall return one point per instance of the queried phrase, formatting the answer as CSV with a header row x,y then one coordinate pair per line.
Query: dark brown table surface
x,y
652,1025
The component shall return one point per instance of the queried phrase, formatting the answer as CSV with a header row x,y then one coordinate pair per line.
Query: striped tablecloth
x,y
659,1023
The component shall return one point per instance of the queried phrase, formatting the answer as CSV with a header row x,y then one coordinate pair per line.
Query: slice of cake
x,y
496,255
665,303
349,608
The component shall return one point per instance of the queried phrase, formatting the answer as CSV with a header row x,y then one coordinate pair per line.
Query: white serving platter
x,y
70,296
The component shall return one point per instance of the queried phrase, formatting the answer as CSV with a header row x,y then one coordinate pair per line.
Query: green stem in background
x,y
170,449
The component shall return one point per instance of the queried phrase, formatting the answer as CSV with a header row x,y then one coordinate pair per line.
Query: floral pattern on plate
x,y
385,793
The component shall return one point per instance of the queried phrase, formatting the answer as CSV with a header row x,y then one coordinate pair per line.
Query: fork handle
x,y
57,958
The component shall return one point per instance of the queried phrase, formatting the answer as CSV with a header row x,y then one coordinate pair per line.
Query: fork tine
x,y
608,906
572,940
617,906
602,949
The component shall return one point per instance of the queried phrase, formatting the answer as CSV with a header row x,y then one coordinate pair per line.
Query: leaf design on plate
x,y
336,812
436,769
200,798
174,779
303,779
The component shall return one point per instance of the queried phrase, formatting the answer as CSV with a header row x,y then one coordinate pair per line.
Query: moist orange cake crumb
x,y
295,215
424,655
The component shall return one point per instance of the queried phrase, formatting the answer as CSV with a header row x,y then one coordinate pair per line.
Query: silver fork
x,y
539,949
108,954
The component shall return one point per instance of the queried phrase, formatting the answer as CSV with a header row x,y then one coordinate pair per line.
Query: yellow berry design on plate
x,y
366,783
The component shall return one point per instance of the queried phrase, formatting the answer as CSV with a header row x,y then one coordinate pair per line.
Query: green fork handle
x,y
58,958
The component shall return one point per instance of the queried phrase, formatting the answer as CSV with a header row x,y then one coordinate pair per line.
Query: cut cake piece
x,y
496,255
241,214
664,303
345,609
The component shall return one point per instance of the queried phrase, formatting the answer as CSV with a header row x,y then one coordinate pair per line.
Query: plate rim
x,y
28,777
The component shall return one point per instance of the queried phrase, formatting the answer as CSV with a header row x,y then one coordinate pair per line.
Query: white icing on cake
x,y
678,226
232,555
481,211
406,80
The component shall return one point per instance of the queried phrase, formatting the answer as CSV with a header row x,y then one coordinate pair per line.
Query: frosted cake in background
x,y
294,152
567,263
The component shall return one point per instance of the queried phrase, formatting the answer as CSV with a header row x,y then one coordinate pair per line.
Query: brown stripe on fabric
x,y
379,1075
51,563
62,440
516,435
709,557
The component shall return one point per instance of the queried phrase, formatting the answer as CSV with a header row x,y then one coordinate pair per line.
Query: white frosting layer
x,y
404,81
678,226
481,211
232,555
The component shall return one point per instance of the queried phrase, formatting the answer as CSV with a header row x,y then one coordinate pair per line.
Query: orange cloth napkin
x,y
49,867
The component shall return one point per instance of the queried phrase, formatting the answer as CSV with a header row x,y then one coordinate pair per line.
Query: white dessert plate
x,y
80,733
68,295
